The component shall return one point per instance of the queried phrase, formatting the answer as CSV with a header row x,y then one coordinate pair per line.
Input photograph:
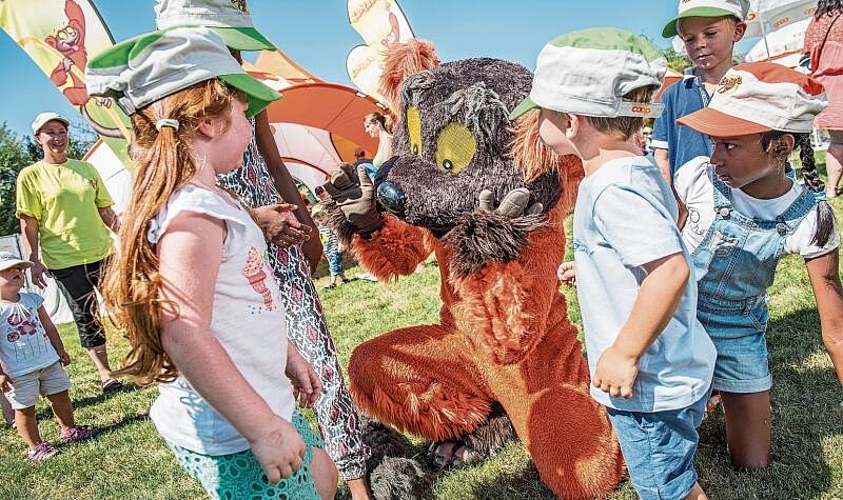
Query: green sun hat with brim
x,y
230,19
588,73
738,9
146,68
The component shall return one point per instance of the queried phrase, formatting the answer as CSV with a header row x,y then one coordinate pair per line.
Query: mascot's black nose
x,y
392,197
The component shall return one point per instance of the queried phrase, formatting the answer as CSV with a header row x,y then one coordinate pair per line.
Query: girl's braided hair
x,y
825,216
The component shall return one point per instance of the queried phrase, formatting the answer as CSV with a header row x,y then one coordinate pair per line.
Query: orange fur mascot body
x,y
490,201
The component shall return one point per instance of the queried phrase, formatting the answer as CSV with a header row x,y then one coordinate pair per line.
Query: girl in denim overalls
x,y
744,213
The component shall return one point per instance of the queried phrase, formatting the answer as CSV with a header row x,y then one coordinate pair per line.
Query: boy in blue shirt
x,y
709,30
650,360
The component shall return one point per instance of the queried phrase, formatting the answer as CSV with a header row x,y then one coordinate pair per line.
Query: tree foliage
x,y
18,152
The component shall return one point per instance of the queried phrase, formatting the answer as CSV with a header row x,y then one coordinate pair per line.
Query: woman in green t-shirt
x,y
65,214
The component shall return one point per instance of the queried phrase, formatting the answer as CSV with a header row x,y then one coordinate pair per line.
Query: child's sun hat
x,y
588,73
738,9
230,19
754,98
146,68
8,260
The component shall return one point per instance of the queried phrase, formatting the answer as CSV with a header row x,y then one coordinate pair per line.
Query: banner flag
x,y
381,23
60,35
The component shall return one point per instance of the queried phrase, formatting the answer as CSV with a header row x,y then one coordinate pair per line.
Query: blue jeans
x,y
659,449
335,263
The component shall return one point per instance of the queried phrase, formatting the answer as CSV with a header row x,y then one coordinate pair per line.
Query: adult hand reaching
x,y
39,274
280,226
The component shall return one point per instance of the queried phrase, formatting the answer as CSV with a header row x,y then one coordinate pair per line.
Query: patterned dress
x,y
339,421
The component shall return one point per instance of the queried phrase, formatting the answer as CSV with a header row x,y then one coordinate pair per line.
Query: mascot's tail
x,y
403,60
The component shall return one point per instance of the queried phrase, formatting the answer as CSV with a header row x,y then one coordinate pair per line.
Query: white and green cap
x,y
738,9
230,19
588,73
146,68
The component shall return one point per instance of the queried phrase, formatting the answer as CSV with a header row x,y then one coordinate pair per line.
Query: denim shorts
x,y
659,449
240,475
743,363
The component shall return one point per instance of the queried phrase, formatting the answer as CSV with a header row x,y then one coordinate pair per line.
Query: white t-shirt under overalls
x,y
695,190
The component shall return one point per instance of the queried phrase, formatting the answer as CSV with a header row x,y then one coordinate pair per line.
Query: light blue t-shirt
x,y
24,345
625,217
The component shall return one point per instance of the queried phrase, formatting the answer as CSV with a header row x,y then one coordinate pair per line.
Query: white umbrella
x,y
784,46
767,16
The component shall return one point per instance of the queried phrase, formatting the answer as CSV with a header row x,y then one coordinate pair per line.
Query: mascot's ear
x,y
535,159
403,60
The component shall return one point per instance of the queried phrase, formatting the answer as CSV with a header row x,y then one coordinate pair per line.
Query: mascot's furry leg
x,y
422,380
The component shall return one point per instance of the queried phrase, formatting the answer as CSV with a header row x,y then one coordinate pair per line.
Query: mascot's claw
x,y
512,205
493,235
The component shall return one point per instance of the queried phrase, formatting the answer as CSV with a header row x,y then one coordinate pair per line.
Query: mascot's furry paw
x,y
394,473
498,235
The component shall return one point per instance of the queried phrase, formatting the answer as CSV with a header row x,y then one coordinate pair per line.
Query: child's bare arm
x,y
663,162
825,281
53,334
190,253
657,300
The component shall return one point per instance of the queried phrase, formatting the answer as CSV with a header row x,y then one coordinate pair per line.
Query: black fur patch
x,y
492,436
482,237
394,472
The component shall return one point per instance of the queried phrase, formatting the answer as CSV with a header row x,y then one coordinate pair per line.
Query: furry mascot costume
x,y
489,199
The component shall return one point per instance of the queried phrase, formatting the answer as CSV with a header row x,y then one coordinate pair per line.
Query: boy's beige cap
x,y
588,73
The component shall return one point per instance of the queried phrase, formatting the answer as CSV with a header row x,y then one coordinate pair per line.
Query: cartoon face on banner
x,y
59,35
381,23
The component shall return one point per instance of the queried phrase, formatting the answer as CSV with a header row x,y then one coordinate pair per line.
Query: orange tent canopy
x,y
327,106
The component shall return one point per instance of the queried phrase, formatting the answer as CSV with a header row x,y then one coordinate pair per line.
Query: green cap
x,y
738,9
146,68
230,19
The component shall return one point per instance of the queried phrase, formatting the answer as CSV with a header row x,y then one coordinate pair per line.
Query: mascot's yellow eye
x,y
62,35
414,129
455,147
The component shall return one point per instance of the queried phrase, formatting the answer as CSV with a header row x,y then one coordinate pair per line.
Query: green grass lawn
x,y
129,460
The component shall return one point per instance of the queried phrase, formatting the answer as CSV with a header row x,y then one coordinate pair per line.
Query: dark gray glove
x,y
356,199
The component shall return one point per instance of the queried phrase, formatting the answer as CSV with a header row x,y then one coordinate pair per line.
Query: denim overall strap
x,y
788,221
